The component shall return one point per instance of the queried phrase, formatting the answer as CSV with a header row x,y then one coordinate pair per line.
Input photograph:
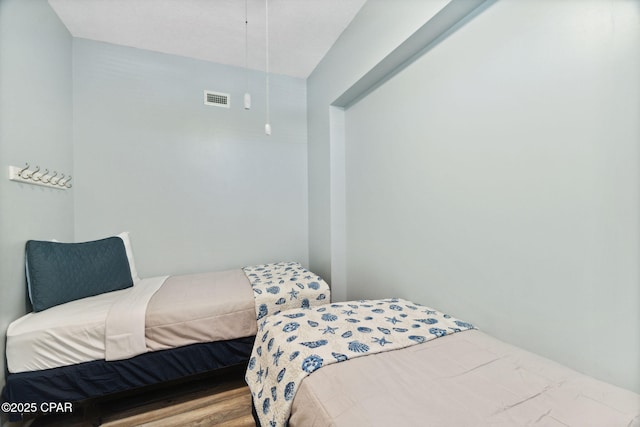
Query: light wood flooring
x,y
223,401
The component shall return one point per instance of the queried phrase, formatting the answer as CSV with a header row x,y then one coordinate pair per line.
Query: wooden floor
x,y
220,401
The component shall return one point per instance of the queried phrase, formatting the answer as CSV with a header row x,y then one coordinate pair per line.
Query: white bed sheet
x,y
107,326
125,322
62,335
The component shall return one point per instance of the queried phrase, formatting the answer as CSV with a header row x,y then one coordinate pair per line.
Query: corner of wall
x,y
35,63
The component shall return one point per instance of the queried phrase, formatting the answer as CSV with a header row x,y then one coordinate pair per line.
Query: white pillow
x,y
127,246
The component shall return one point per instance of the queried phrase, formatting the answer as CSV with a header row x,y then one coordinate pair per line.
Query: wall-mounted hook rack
x,y
38,177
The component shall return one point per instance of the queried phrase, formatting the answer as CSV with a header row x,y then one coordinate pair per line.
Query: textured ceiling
x,y
300,31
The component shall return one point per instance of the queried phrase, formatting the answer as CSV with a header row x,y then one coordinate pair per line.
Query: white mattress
x,y
185,310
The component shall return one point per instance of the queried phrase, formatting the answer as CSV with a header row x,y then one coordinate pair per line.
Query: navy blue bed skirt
x,y
100,378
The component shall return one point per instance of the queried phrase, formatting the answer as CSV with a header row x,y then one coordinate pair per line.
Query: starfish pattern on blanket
x,y
285,285
291,349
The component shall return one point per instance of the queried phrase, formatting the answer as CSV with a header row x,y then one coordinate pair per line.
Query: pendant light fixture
x,y
267,126
247,95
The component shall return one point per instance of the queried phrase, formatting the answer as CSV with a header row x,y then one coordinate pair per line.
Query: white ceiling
x,y
300,31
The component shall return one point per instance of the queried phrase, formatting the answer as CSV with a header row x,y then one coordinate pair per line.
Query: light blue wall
x,y
498,178
198,187
35,126
379,27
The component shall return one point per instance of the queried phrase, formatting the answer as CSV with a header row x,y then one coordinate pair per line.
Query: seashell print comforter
x,y
284,285
294,343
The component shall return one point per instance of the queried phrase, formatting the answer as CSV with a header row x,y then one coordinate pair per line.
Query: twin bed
x,y
98,329
422,367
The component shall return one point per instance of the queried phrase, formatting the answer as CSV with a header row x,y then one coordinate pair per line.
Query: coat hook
x,y
43,175
50,180
40,176
22,170
32,175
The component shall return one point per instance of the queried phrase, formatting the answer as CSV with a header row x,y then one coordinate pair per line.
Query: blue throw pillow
x,y
61,272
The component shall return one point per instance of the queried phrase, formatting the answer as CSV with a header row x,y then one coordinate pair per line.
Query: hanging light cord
x,y
267,126
246,41
247,95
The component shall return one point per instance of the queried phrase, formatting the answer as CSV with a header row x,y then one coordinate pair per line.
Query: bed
x,y
394,362
98,329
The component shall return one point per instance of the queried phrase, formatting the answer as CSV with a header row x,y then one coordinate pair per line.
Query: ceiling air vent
x,y
216,98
